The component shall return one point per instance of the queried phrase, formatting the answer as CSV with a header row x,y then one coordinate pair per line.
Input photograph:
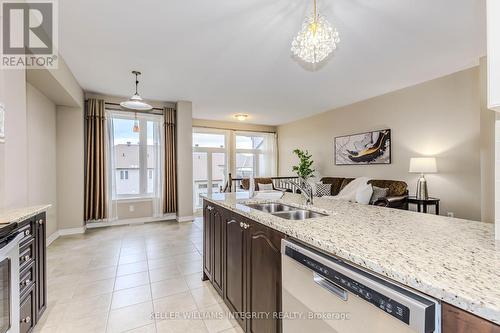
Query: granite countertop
x,y
454,260
20,214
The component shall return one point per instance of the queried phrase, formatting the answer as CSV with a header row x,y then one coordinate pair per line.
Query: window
x,y
123,174
134,154
255,154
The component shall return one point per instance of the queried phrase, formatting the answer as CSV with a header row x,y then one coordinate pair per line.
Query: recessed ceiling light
x,y
241,116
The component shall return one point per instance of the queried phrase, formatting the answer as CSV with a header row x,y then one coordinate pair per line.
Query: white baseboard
x,y
141,220
52,238
184,218
71,231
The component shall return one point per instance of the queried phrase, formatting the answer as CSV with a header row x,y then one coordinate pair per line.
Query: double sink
x,y
286,211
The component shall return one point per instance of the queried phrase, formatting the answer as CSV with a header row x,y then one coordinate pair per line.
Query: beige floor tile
x,y
168,287
216,318
86,307
144,329
98,274
93,324
206,296
162,262
131,258
131,296
164,273
190,267
94,288
135,267
130,317
178,302
194,280
131,280
181,326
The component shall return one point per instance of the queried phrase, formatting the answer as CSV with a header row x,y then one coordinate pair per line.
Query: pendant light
x,y
316,39
136,128
135,102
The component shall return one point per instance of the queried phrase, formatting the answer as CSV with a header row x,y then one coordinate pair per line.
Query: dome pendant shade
x,y
135,102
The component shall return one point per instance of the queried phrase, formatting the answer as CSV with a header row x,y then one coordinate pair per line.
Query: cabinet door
x,y
456,320
263,277
41,266
217,222
234,264
207,240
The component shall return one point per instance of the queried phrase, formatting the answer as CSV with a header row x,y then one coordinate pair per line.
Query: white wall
x,y
439,118
41,120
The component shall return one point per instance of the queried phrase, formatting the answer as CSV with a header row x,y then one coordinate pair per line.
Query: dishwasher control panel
x,y
384,303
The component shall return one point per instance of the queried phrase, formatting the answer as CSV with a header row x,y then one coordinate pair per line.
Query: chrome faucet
x,y
305,189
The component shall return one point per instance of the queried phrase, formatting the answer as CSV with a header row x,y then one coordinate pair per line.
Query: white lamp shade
x,y
423,165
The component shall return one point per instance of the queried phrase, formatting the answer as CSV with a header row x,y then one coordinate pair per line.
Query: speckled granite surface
x,y
453,260
20,214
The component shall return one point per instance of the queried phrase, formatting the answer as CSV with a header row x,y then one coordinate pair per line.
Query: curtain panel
x,y
95,170
170,188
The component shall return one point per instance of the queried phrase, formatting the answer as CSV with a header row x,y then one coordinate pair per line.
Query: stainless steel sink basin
x,y
299,214
273,207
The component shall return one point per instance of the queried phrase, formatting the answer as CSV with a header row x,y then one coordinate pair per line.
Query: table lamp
x,y
422,165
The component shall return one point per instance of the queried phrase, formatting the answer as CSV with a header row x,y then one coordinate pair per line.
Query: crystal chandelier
x,y
316,40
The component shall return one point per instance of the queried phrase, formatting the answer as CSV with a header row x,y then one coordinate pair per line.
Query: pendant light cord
x,y
136,83
315,12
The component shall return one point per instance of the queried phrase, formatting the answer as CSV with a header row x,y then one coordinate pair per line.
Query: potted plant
x,y
304,169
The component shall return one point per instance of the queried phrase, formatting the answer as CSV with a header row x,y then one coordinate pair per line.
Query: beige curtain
x,y
170,195
95,172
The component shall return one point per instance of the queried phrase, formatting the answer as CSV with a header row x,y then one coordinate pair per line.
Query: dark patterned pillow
x,y
323,189
378,193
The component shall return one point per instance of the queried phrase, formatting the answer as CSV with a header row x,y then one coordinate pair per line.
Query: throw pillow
x,y
378,193
323,189
364,194
265,187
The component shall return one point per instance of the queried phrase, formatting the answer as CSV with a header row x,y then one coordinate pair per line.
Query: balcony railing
x,y
282,183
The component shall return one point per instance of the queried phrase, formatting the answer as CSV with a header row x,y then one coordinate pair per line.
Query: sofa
x,y
398,190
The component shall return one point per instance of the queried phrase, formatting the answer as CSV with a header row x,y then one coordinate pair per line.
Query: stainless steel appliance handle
x,y
330,286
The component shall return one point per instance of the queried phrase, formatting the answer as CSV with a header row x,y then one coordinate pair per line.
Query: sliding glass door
x,y
210,163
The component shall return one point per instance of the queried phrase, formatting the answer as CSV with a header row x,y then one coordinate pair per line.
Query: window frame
x,y
143,153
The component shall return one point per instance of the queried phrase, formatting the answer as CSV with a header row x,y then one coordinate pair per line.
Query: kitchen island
x,y
453,260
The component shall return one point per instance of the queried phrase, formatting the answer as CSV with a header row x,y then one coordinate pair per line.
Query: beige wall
x,y
142,208
184,160
70,178
41,120
438,118
14,152
487,149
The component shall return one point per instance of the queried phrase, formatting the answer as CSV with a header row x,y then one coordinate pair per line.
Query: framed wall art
x,y
364,148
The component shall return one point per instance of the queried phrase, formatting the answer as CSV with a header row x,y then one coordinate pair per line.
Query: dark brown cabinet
x,y
250,266
212,245
234,264
32,271
456,320
263,277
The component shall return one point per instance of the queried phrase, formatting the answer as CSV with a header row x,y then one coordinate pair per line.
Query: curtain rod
x,y
236,130
123,109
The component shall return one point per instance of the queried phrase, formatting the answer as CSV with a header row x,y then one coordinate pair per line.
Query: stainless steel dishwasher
x,y
323,294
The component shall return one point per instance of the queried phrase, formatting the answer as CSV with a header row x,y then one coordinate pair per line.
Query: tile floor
x,y
114,279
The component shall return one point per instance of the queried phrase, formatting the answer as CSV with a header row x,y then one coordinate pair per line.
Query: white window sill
x,y
133,199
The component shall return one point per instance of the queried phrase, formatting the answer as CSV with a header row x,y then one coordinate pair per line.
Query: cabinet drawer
x,y
28,230
27,312
26,254
27,279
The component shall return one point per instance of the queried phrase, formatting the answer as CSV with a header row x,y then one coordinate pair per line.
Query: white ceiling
x,y
230,56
